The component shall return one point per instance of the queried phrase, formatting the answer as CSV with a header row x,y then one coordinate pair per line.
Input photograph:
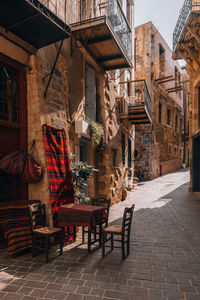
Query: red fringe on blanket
x,y
58,166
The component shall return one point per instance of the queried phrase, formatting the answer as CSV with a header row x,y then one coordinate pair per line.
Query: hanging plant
x,y
96,133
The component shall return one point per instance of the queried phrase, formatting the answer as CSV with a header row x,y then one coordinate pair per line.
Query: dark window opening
x,y
114,157
136,154
161,61
160,113
129,153
123,143
176,123
168,117
9,95
199,105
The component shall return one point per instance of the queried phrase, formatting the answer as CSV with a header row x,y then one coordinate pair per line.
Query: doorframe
x,y
23,121
196,163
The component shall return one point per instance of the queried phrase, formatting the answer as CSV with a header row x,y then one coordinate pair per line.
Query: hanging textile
x,y
58,166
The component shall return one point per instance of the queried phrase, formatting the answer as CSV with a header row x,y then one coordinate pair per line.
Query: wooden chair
x,y
43,237
101,201
122,231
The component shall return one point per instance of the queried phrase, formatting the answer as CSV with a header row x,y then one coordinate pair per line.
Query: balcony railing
x,y
188,6
112,10
142,96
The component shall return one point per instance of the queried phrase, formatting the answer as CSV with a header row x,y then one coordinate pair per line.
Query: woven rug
x,y
58,166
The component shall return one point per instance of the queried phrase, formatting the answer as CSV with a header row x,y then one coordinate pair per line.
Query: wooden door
x,y
196,164
13,124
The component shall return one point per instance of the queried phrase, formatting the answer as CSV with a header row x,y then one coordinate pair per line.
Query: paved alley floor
x,y
164,260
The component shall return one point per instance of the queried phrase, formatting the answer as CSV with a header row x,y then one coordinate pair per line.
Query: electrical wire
x,y
113,79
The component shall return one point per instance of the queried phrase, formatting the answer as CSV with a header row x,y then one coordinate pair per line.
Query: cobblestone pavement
x,y
164,262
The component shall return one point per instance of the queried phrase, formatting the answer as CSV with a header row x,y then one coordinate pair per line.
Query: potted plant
x,y
81,171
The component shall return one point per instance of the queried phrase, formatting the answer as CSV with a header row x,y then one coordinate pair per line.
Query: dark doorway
x,y
196,163
13,124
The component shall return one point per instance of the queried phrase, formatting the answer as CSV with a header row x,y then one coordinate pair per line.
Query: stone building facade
x,y
186,46
159,146
60,83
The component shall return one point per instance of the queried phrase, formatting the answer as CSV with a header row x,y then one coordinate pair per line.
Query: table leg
x,y
89,240
100,235
74,233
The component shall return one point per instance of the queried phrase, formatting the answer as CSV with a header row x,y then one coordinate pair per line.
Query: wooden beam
x,y
174,91
163,78
175,87
197,38
100,40
108,58
89,57
192,55
164,81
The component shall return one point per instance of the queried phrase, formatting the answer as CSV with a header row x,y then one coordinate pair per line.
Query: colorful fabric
x,y
58,166
75,214
13,163
15,226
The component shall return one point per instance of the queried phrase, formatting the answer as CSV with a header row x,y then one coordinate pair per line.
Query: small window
x,y
114,157
175,151
129,153
176,123
160,113
123,141
170,149
168,117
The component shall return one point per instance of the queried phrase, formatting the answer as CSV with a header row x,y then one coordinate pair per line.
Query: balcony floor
x,y
100,40
138,114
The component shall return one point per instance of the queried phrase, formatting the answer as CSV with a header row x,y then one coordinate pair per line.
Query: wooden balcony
x,y
105,33
137,108
186,33
140,106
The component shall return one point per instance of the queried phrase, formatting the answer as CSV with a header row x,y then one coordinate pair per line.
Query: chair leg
x,y
123,248
103,243
74,233
128,244
47,249
100,235
112,243
83,234
61,241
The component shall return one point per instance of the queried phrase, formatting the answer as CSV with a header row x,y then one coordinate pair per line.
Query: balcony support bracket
x,y
53,69
192,55
197,38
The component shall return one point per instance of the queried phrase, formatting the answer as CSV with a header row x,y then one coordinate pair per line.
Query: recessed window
x,y
160,113
114,157
168,116
176,123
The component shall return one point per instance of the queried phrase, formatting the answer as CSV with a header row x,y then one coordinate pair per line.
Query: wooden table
x,y
74,214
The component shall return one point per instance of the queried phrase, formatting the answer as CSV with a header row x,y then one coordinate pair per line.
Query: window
x,y
168,116
181,125
129,153
114,157
160,113
199,105
90,93
9,95
170,149
123,143
176,123
161,60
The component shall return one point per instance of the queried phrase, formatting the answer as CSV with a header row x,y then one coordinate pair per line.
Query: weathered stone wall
x,y
166,143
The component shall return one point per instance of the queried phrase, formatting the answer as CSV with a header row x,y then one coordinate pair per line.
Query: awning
x,y
32,22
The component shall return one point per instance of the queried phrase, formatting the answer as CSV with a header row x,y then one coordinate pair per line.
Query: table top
x,y
74,214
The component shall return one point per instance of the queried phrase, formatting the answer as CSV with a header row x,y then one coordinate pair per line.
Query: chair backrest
x,y
127,218
37,214
101,201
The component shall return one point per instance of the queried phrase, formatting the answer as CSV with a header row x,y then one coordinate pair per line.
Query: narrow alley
x,y
164,261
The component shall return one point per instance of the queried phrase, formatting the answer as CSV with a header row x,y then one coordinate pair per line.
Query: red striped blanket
x,y
58,166
15,226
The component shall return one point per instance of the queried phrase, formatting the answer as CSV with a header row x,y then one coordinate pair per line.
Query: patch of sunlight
x,y
5,278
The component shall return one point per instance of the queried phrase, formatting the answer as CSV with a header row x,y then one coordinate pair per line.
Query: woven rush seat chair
x,y
43,238
97,231
122,231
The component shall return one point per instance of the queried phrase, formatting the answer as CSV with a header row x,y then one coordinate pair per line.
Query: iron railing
x,y
142,96
188,6
112,10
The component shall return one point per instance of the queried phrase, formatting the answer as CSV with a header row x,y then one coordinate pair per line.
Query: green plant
x,y
97,134
81,171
